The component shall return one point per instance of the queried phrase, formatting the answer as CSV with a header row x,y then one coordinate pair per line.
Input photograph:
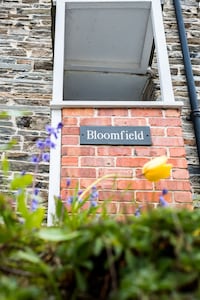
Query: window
x,y
103,50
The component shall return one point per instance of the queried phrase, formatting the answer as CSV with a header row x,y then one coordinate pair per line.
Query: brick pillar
x,y
85,163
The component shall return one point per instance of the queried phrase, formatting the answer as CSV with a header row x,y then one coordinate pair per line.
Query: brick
x,y
158,131
130,121
172,113
95,121
70,140
153,196
178,162
146,112
112,112
73,184
167,141
119,172
112,208
70,130
130,161
69,161
180,174
102,185
78,112
78,172
150,152
174,185
66,120
127,208
174,131
165,122
184,197
177,152
114,151
78,150
117,195
97,161
123,184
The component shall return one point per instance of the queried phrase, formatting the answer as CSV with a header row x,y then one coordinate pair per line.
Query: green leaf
x,y
21,182
34,219
57,235
5,164
21,205
28,256
98,246
8,146
80,280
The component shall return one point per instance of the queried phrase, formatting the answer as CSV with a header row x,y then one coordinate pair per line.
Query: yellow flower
x,y
157,169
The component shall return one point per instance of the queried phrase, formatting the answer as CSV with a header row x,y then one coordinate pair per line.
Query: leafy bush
x,y
155,256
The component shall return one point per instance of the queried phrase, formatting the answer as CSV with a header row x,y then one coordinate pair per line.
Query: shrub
x,y
155,256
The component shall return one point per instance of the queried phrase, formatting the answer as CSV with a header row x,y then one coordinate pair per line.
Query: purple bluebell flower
x,y
93,196
70,200
94,193
34,204
93,203
68,182
59,126
49,143
36,191
35,159
51,131
45,156
162,201
137,212
80,192
40,144
164,192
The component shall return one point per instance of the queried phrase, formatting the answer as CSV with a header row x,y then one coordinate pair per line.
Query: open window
x,y
103,52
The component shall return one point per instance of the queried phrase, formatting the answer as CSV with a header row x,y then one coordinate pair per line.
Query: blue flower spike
x,y
164,192
94,196
162,201
68,182
137,212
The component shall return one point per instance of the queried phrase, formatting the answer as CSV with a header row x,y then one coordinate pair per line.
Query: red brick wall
x,y
84,163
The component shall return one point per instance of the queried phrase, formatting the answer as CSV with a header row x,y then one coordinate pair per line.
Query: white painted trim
x,y
58,71
55,2
54,168
113,104
161,52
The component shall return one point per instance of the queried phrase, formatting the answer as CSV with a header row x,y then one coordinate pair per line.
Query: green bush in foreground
x,y
155,256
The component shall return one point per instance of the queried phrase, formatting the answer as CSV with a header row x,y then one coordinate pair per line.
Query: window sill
x,y
114,104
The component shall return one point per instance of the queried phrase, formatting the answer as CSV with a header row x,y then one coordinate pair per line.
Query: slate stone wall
x,y
26,78
191,17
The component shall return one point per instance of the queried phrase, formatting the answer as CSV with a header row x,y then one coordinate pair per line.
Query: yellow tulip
x,y
157,169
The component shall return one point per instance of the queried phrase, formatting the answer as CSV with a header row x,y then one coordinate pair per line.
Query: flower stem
x,y
96,182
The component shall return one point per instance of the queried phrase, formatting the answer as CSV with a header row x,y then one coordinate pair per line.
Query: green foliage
x,y
155,256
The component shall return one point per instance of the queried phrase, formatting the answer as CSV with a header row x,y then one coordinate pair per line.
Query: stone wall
x,y
26,77
191,16
25,80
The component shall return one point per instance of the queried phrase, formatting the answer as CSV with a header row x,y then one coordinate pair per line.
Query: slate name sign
x,y
115,135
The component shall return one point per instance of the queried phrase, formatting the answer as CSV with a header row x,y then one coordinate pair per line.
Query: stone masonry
x,y
26,79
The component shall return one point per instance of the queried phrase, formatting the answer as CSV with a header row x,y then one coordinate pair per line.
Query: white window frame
x,y
166,88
